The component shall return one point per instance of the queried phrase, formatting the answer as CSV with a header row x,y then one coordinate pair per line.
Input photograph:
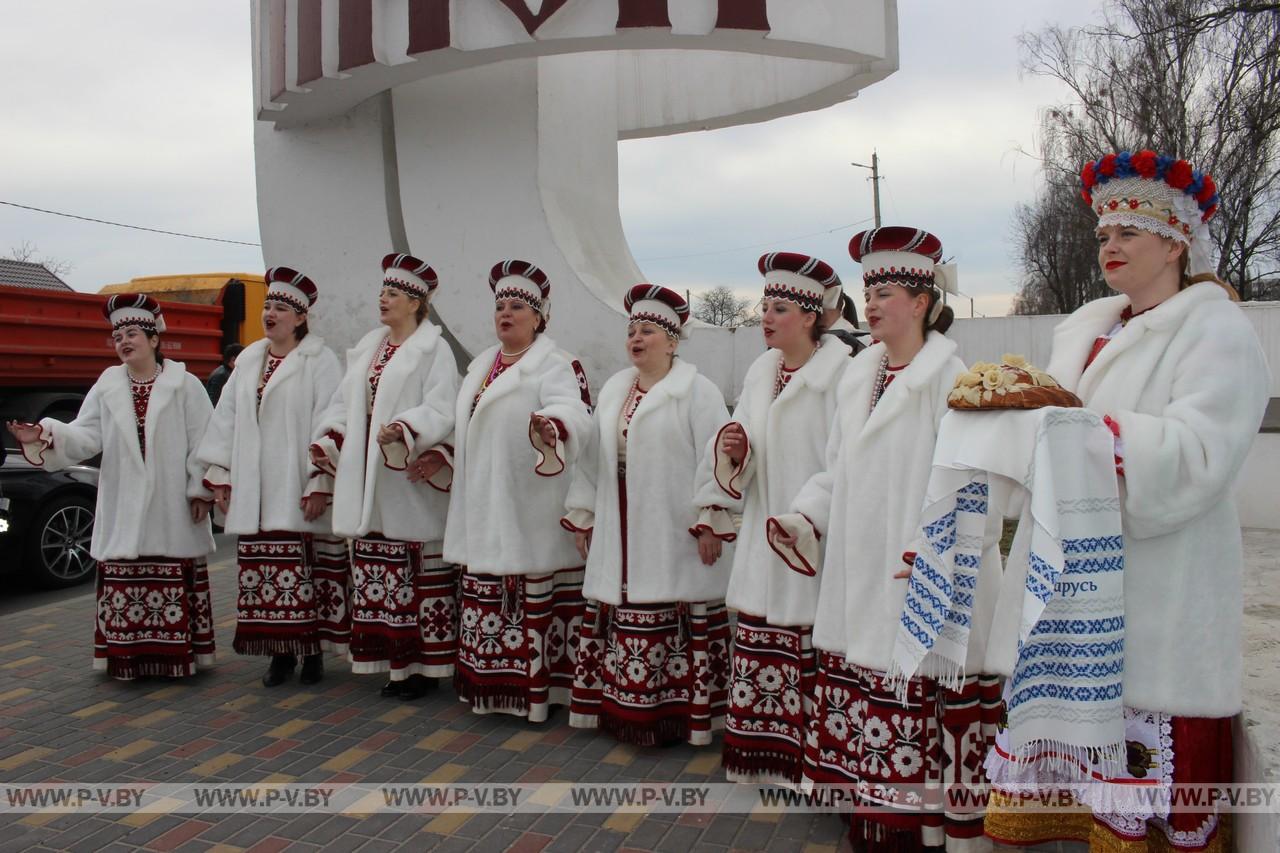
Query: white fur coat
x,y
144,507
372,492
787,444
867,504
1187,382
261,451
667,438
504,517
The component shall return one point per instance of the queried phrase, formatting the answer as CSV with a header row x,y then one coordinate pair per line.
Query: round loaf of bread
x,y
1011,384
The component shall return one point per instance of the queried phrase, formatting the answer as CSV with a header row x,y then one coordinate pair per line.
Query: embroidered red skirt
x,y
518,641
276,605
652,674
861,734
1200,752
330,560
403,609
154,617
771,687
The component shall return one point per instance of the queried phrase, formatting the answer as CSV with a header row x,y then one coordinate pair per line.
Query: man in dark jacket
x,y
222,372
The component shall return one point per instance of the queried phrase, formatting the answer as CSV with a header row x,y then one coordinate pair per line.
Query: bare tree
x,y
719,307
1198,79
29,252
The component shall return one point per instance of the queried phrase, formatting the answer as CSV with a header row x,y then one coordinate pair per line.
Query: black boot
x,y
281,668
391,689
312,669
417,686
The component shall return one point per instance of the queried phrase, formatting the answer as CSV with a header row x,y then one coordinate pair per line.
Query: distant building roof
x,y
26,274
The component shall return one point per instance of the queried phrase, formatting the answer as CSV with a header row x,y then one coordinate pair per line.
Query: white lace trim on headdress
x,y
1146,223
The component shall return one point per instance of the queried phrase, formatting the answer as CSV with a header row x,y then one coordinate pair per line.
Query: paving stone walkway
x,y
59,721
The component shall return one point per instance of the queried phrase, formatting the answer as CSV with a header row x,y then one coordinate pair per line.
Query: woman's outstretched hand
x,y
23,432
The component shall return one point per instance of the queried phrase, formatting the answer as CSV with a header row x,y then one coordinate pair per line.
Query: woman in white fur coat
x,y
866,507
151,534
654,654
1177,372
394,404
521,413
775,442
292,572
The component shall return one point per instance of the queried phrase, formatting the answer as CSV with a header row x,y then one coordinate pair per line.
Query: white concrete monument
x,y
471,131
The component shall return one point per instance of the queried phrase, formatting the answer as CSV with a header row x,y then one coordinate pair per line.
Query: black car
x,y
46,521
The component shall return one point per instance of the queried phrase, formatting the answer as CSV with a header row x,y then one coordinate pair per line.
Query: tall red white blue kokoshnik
x,y
292,288
662,306
515,279
1156,193
409,275
133,309
800,279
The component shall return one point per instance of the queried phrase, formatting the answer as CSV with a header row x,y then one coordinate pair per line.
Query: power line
x,y
757,245
125,225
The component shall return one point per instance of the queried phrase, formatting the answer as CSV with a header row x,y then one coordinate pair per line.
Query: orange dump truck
x,y
54,343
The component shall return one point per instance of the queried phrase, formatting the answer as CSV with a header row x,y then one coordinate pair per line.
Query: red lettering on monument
x,y
309,41
531,22
428,25
643,13
355,33
743,15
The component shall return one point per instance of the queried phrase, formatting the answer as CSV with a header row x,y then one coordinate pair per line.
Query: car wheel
x,y
58,543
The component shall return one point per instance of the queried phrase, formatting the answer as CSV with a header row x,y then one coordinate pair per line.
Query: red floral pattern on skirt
x,y
518,641
154,617
403,609
651,674
774,676
862,735
276,605
330,560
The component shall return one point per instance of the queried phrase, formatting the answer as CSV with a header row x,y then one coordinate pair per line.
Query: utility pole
x,y
875,183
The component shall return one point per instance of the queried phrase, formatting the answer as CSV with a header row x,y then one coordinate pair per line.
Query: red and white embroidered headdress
x,y
410,275
1156,193
907,257
521,280
133,309
292,288
808,282
662,306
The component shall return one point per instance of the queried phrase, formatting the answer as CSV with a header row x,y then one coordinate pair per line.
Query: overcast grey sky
x,y
140,111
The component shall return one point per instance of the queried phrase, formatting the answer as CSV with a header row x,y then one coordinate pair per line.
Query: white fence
x,y
1258,489
986,339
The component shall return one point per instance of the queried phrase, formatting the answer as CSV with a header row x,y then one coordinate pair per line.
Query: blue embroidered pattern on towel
x,y
937,614
1065,699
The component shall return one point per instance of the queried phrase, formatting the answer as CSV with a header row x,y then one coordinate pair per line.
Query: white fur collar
x,y
937,351
1106,311
424,338
676,384
825,365
308,347
541,347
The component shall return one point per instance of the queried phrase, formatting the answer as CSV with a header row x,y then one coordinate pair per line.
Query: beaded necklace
x,y
634,396
884,378
783,376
